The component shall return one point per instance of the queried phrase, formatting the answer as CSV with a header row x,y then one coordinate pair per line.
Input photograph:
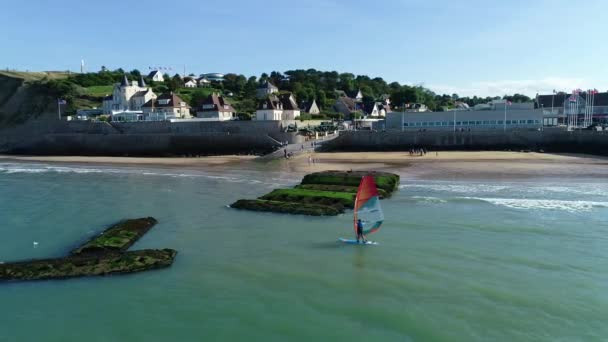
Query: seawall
x,y
549,140
144,138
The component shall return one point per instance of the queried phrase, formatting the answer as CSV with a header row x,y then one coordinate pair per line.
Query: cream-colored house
x,y
283,107
270,108
128,96
215,108
168,106
190,84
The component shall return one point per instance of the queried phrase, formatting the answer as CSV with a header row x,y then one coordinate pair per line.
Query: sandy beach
x,y
444,165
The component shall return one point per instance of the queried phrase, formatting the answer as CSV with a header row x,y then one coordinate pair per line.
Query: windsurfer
x,y
360,231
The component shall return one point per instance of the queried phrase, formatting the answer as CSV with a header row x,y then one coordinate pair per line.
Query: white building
x,y
166,106
283,107
270,108
190,84
156,76
127,96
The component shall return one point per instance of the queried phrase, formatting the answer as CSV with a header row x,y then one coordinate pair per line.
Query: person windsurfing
x,y
360,231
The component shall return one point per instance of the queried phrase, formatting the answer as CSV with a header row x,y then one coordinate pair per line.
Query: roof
x,y
218,104
125,81
141,81
141,93
557,100
271,102
152,73
268,85
174,101
289,102
306,106
368,108
348,102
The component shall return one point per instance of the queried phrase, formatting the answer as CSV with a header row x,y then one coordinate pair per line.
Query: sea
x,y
457,260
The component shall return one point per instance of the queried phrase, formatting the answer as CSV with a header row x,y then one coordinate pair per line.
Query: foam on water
x,y
518,203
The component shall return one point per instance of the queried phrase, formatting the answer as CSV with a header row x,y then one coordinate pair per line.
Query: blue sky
x,y
468,47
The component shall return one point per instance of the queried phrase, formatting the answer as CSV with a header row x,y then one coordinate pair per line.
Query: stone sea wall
x,y
144,138
549,140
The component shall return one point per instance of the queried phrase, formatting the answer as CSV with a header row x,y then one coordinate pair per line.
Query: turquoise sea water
x,y
486,260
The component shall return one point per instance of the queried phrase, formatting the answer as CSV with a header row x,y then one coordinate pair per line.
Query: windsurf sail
x,y
367,206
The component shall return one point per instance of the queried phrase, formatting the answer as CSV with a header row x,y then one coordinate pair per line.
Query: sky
x,y
473,47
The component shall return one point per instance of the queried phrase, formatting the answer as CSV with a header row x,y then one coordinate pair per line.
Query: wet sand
x,y
444,165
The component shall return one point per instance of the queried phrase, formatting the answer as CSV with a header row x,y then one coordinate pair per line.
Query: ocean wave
x,y
10,168
429,199
517,203
528,188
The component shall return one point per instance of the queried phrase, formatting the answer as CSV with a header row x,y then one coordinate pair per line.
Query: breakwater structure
x,y
324,193
553,140
104,254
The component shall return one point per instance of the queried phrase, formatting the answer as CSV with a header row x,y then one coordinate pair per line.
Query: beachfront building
x,y
282,107
127,96
466,120
269,108
291,111
266,89
215,108
166,106
570,109
311,107
190,84
156,76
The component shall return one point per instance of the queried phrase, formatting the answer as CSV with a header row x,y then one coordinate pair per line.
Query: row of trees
x,y
306,85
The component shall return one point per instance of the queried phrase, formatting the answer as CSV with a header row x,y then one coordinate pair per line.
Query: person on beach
x,y
360,231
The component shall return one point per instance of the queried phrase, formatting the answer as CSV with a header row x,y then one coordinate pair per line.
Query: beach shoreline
x,y
433,165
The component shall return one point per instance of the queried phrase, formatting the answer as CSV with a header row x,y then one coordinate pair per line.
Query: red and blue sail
x,y
367,206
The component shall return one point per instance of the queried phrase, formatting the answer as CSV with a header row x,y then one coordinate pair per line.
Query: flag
x,y
61,102
554,92
572,98
509,103
595,91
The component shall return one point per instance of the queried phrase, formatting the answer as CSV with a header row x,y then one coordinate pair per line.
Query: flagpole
x,y
58,110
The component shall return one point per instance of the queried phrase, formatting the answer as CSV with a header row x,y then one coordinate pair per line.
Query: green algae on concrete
x,y
88,265
104,254
320,193
304,196
338,188
384,180
287,207
119,237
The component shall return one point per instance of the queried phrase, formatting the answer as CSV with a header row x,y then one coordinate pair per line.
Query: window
x,y
508,122
500,122
536,122
431,124
478,122
522,121
458,123
445,123
530,121
486,122
425,124
492,122
418,124
405,124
